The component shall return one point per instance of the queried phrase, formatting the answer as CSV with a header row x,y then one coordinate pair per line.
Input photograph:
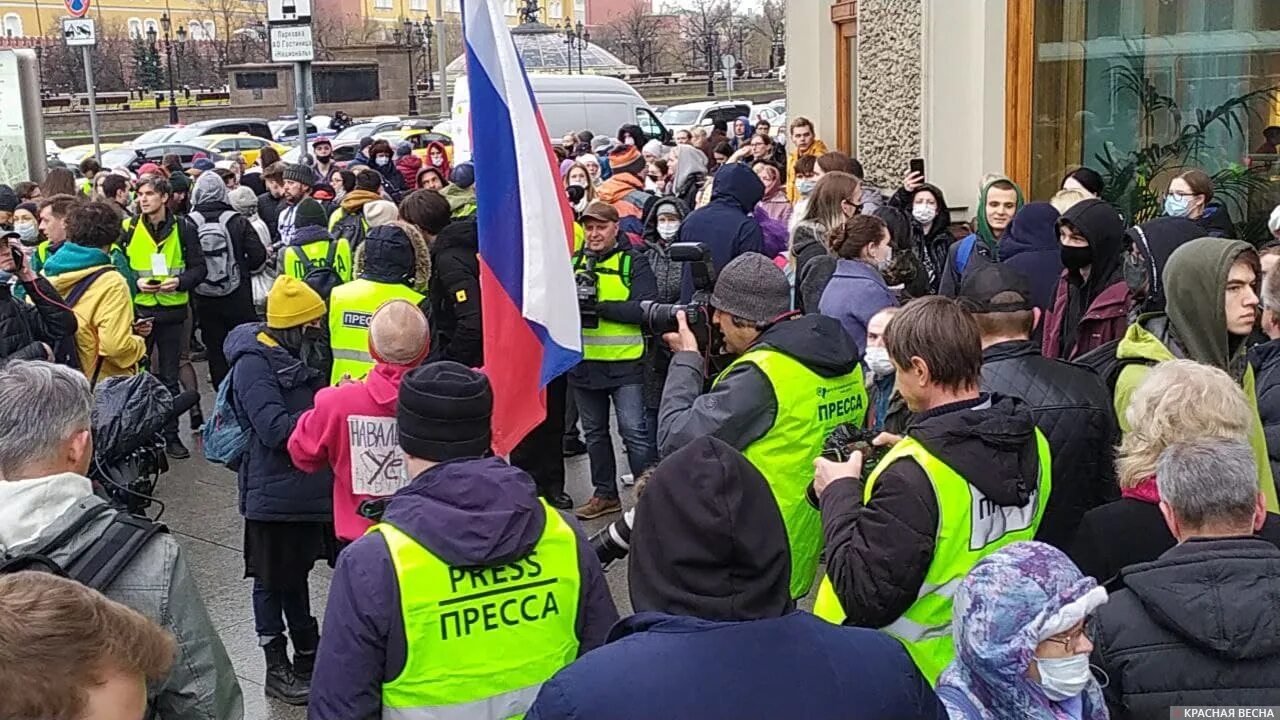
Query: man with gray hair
x,y
1200,625
1265,359
48,511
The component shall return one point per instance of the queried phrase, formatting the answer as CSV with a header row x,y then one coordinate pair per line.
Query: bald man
x,y
352,428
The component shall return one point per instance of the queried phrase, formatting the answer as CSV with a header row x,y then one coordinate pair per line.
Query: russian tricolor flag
x,y
532,332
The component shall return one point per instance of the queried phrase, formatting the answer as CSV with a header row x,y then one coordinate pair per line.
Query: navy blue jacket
x,y
271,391
1030,245
794,666
726,224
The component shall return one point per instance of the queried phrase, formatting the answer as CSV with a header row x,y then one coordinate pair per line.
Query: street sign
x,y
77,8
79,32
279,11
292,43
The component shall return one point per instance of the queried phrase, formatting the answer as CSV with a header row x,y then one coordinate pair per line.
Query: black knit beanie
x,y
310,213
444,411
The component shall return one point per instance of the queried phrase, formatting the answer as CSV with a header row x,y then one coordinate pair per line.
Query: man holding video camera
x,y
612,281
795,379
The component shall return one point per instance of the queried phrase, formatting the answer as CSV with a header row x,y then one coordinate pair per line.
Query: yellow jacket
x,y
104,317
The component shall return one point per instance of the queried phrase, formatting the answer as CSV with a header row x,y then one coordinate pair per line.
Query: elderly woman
x,y
688,167
1178,401
1022,650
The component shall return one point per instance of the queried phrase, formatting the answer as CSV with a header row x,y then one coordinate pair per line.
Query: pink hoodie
x,y
364,411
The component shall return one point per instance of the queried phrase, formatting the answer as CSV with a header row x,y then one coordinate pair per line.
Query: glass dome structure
x,y
544,49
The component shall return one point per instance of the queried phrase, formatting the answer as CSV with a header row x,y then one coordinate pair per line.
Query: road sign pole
x,y
302,99
93,102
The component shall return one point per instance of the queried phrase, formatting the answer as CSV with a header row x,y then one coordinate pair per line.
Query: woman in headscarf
x,y
438,158
741,132
688,166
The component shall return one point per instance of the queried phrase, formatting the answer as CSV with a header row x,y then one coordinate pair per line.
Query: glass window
x,y
648,123
210,30
135,29
12,25
1116,77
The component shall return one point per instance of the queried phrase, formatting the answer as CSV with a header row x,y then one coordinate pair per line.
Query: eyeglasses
x,y
1068,640
1183,194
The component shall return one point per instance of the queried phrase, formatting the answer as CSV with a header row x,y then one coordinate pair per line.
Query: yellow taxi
x,y
74,154
249,146
418,139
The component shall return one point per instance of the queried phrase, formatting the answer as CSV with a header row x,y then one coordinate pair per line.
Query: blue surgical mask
x,y
805,187
382,160
1177,205
28,233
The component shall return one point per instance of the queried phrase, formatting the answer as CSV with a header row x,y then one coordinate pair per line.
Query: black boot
x,y
281,683
305,643
174,448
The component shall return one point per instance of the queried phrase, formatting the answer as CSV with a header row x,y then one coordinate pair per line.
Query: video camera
x,y
660,318
588,287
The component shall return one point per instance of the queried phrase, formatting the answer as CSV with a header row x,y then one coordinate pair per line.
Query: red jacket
x,y
1106,319
409,165
366,412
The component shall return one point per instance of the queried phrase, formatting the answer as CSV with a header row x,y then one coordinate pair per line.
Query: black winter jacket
x,y
878,553
269,210
1198,626
23,326
1072,408
245,247
455,295
928,244
1265,359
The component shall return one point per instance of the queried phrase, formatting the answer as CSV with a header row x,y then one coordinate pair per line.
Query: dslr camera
x,y
660,318
588,287
840,445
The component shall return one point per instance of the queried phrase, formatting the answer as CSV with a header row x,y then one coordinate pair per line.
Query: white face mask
x,y
580,205
1063,678
382,160
924,214
27,232
883,263
805,187
629,140
651,185
668,229
877,360
580,183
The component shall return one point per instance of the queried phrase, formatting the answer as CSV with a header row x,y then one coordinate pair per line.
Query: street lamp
x,y
182,43
575,38
414,34
168,61
428,34
711,62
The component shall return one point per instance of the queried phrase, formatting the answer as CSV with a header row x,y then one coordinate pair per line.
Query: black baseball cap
x,y
988,282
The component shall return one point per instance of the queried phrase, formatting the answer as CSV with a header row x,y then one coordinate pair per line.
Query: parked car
x,y
71,156
257,127
705,113
135,157
248,146
285,130
417,139
570,103
158,135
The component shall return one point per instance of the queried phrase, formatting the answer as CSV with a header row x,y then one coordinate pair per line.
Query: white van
x,y
568,103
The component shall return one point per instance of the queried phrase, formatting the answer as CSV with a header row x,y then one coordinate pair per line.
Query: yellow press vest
x,y
351,307
295,265
611,341
482,640
970,527
809,408
139,249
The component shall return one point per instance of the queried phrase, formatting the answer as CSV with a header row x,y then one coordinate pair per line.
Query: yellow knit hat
x,y
291,303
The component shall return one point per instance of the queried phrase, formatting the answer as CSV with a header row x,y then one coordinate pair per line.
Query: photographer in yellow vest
x,y
795,379
971,476
470,592
386,273
165,255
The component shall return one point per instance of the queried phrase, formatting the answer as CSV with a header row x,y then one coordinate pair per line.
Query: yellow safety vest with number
x,y
482,640
611,341
141,246
809,408
295,264
351,307
970,527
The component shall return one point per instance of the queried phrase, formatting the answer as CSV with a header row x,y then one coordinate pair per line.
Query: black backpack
x,y
1102,361
100,563
66,353
322,278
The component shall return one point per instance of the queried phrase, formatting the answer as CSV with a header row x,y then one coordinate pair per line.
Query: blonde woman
x,y
1178,401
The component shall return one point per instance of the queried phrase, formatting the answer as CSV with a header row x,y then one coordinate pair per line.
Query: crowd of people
x,y
1021,462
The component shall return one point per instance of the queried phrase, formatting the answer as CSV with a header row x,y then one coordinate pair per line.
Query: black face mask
x,y
1135,275
323,156
1075,258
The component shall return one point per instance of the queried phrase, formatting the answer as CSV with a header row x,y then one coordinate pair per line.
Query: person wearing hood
x,y
382,157
930,221
312,246
1031,247
688,173
461,190
998,200
1190,196
725,225
387,269
741,132
348,221
773,212
1198,625
1091,307
972,475
857,291
1149,246
164,253
795,378
413,618
633,136
107,341
288,512
245,202
1070,404
661,228
1211,308
1022,645
218,311
716,635
363,412
408,165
